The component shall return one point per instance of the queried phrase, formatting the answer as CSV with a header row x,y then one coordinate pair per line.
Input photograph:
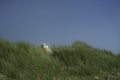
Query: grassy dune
x,y
80,61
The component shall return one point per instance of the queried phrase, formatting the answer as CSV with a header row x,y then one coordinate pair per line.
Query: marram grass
x,y
80,61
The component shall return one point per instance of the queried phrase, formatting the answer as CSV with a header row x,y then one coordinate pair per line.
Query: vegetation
x,y
80,61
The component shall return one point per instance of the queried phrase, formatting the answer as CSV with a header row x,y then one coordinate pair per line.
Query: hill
x,y
80,61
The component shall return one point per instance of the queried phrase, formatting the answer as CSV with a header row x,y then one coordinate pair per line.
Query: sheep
x,y
46,47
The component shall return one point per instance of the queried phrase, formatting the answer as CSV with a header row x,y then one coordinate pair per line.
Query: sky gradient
x,y
96,22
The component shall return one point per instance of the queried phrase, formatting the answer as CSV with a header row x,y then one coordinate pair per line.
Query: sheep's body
x,y
46,47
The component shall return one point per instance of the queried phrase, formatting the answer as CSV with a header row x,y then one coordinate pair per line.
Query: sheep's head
x,y
46,47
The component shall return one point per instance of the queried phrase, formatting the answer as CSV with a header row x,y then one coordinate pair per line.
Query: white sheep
x,y
46,47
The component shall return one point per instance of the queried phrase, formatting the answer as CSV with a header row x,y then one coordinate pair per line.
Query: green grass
x,y
80,61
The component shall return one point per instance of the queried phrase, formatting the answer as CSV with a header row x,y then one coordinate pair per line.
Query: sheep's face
x,y
46,47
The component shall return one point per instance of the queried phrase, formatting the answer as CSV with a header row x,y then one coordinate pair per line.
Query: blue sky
x,y
96,22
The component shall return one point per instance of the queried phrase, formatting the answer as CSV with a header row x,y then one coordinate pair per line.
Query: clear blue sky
x,y
96,22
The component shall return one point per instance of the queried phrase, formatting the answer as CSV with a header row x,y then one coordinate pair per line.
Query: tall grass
x,y
80,61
